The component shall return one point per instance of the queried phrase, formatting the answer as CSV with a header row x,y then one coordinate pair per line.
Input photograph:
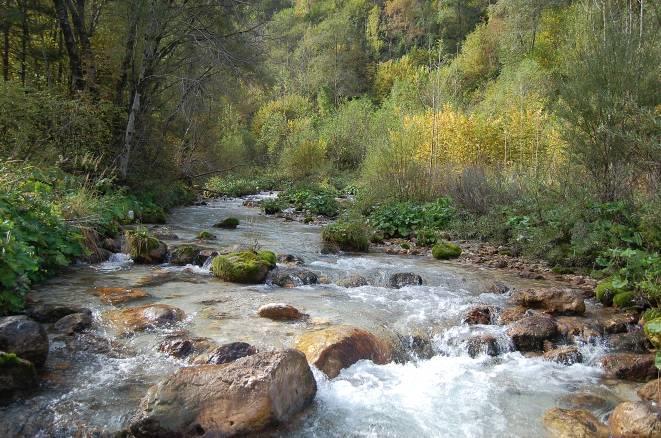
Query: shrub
x,y
271,206
140,242
445,250
314,199
347,235
229,223
402,219
249,267
426,236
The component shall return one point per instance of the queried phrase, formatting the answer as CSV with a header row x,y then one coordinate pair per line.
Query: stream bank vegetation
x,y
534,126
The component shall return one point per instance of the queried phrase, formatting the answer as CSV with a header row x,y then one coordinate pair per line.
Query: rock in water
x,y
290,259
119,295
352,281
16,375
25,337
651,391
529,334
555,301
52,312
574,423
401,279
335,348
635,419
230,352
248,267
144,317
74,323
292,277
280,312
629,366
242,397
481,314
566,355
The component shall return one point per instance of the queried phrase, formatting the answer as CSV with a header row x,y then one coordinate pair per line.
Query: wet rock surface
x,y
574,423
402,279
529,333
567,355
145,317
230,352
280,312
629,366
51,312
635,419
555,301
119,295
352,281
243,397
481,314
25,337
293,277
17,376
74,323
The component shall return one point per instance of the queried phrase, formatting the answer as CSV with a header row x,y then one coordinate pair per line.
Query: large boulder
x,y
239,398
229,223
555,301
280,312
293,277
187,255
635,419
52,312
629,366
574,423
248,267
119,295
401,279
580,328
16,375
529,334
352,281
25,337
145,317
630,342
512,314
567,355
445,250
335,348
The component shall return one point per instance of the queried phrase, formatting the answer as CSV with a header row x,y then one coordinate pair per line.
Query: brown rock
x,y
402,279
554,301
566,355
573,327
480,314
482,344
339,347
635,419
631,342
144,317
182,346
74,323
293,277
497,287
16,375
651,391
119,295
529,334
239,398
585,400
230,352
352,281
629,366
512,314
280,312
617,321
574,423
52,312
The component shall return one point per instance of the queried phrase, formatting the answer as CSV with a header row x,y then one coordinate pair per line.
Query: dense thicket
x,y
538,119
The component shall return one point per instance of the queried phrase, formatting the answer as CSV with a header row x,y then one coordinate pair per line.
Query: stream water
x,y
451,394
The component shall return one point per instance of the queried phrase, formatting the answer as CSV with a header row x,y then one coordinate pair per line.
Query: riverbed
x,y
97,389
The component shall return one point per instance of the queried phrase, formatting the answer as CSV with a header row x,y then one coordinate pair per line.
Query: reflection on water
x,y
450,394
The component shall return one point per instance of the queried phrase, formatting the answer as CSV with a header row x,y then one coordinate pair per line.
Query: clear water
x,y
451,394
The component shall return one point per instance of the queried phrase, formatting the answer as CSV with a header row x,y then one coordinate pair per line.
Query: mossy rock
x,y
653,332
623,299
145,248
184,254
228,223
8,359
247,267
605,292
445,251
205,235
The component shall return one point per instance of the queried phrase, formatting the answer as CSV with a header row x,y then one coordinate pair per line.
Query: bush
x,y
347,235
140,242
313,199
235,186
426,236
402,219
271,206
229,223
445,250
248,267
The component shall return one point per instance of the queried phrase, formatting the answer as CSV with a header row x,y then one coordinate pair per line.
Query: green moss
x,y
623,299
140,242
347,235
652,330
184,254
248,267
604,292
445,250
205,235
8,358
228,223
562,270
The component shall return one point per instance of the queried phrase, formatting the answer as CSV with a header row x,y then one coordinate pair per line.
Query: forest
x,y
529,124
330,218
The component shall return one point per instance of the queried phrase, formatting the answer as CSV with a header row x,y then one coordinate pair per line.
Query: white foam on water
x,y
117,262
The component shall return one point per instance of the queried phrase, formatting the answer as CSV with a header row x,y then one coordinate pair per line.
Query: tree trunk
x,y
24,39
128,59
5,46
87,56
75,65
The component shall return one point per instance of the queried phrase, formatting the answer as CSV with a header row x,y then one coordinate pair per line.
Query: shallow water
x,y
450,394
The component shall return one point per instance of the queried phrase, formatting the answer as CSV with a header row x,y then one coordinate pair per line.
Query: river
x,y
449,394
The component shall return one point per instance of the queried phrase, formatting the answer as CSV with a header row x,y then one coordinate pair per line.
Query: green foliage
x,y
8,359
237,186
271,205
624,299
635,270
605,291
404,218
228,222
445,250
347,235
652,329
140,242
313,199
426,236
247,267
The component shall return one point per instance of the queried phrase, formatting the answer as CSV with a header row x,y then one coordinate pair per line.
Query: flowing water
x,y
98,387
